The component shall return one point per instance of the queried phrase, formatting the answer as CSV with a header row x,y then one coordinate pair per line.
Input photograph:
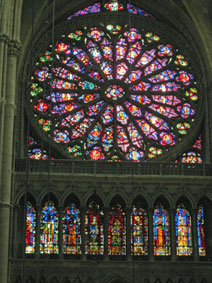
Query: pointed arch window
x,y
94,229
201,231
117,230
161,231
139,230
71,230
30,229
49,229
183,231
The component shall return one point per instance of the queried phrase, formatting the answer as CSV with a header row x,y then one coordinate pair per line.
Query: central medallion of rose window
x,y
114,92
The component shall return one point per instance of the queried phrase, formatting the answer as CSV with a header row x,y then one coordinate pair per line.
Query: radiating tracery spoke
x,y
114,93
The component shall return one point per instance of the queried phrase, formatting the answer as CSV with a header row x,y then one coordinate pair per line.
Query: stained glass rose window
x,y
111,91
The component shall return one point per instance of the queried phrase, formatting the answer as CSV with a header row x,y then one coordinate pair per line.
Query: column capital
x,y
2,100
5,204
5,38
14,48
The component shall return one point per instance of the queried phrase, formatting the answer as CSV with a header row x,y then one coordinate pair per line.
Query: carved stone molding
x,y
14,48
5,38
5,204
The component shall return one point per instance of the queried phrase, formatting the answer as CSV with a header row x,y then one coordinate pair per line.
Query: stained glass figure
x,y
114,88
161,231
201,231
30,229
49,229
139,230
117,230
94,233
183,231
71,230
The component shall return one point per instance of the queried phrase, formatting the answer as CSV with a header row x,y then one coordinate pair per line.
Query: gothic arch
x,y
141,200
72,197
95,197
185,197
141,192
205,200
163,200
50,196
186,201
69,193
30,196
116,196
165,196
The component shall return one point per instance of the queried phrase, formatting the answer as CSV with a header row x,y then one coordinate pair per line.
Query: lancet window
x,y
49,229
71,230
94,229
183,231
201,230
30,229
139,230
117,229
161,231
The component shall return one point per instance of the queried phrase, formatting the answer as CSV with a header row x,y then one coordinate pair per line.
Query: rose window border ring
x,y
70,98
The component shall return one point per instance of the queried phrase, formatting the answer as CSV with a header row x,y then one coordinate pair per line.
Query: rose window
x,y
110,92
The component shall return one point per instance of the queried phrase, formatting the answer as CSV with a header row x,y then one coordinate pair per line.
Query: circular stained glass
x,y
115,93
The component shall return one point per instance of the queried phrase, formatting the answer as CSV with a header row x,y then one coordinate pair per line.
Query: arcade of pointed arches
x,y
117,230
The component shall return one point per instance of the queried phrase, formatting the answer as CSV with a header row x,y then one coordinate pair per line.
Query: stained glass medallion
x,y
110,90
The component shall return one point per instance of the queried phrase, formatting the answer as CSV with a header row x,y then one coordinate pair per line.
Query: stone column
x,y
4,39
150,241
13,52
173,233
